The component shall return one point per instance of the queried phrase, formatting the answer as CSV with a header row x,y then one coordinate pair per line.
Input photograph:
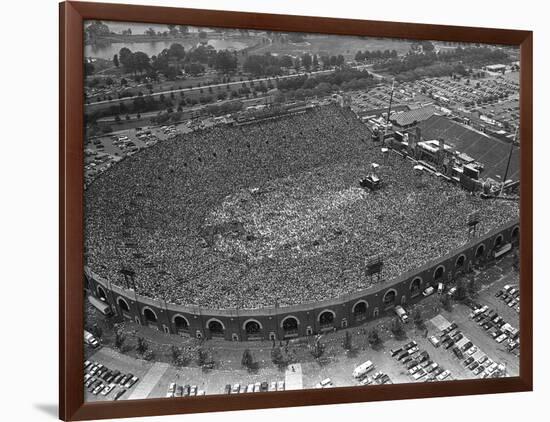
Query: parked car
x,y
448,344
131,382
445,374
119,394
466,346
435,342
479,370
468,360
394,352
108,389
410,345
420,374
98,389
472,350
432,367
171,390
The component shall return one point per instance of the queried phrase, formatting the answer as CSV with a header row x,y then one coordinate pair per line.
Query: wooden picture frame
x,y
71,110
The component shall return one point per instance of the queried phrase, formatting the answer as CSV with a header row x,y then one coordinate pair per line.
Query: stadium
x,y
263,230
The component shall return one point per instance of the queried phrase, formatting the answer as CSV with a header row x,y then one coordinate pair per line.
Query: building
x,y
411,118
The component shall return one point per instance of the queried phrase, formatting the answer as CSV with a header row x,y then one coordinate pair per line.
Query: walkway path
x,y
293,377
151,378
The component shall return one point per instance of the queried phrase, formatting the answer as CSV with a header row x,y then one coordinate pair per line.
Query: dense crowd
x,y
270,213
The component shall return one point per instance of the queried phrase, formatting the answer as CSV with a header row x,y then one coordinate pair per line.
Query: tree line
x,y
361,56
430,63
171,61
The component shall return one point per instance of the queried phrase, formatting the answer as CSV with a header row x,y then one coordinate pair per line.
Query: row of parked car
x,y
258,387
496,327
418,363
176,390
509,295
99,379
361,372
468,353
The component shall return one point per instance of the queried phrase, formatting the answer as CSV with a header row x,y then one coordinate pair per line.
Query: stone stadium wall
x,y
304,319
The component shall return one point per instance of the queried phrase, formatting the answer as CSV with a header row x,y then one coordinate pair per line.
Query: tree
x,y
142,345
473,286
318,348
418,320
461,293
97,331
96,29
446,302
184,29
225,61
125,57
115,60
278,358
347,344
397,327
427,46
374,338
306,61
247,360
88,68
120,338
141,61
149,354
194,69
176,352
286,61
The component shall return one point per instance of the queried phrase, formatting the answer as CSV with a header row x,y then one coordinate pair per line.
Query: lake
x,y
154,47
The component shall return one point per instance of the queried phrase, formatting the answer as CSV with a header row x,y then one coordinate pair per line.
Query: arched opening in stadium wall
x,y
290,325
181,323
480,250
460,262
252,328
123,305
438,273
415,287
326,318
498,241
360,311
149,315
101,293
515,235
215,327
389,298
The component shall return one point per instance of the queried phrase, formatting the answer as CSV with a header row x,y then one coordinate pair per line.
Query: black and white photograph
x,y
268,211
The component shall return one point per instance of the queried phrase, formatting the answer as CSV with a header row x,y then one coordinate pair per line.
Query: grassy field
x,y
330,45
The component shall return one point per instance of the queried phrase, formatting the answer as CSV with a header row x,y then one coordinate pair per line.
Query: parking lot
x,y
117,365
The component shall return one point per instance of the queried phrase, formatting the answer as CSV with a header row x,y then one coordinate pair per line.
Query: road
x,y
175,91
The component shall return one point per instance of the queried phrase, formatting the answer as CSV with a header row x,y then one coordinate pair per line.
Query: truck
x,y
363,369
90,339
401,313
429,291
